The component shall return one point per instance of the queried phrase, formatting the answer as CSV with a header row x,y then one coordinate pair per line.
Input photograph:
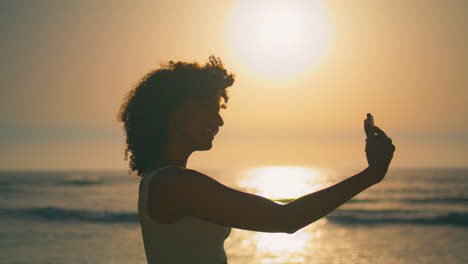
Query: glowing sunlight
x,y
286,248
282,247
282,182
278,39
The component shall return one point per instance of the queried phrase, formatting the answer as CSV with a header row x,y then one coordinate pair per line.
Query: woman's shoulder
x,y
178,173
173,182
172,172
163,188
167,187
161,169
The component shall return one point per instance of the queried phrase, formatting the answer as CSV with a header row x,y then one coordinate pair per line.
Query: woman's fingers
x,y
378,139
382,134
379,148
379,131
381,140
366,128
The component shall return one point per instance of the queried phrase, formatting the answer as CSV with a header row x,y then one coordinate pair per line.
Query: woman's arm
x,y
311,207
189,192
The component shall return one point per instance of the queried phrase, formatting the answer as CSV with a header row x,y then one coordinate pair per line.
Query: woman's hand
x,y
379,152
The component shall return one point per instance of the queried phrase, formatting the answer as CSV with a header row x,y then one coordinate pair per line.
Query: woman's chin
x,y
206,145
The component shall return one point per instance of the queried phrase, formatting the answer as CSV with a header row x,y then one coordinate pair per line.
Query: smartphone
x,y
370,125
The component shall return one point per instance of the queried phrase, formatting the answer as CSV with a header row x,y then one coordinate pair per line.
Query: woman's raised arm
x,y
182,192
189,192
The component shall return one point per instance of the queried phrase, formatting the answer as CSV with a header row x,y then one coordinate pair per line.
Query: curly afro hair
x,y
147,108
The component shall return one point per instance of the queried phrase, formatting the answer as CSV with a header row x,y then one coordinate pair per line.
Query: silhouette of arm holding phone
x,y
181,191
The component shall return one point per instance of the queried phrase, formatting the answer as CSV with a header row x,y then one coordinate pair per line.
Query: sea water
x,y
412,216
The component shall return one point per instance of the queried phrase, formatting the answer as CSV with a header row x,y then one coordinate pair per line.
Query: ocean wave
x,y
81,180
375,217
438,200
62,214
444,200
10,189
340,216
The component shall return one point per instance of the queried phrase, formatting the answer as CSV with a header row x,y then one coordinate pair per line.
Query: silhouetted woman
x,y
186,215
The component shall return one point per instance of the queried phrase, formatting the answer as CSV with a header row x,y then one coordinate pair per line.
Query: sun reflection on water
x,y
282,182
288,183
275,248
284,248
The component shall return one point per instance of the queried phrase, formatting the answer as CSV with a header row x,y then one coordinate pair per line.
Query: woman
x,y
186,215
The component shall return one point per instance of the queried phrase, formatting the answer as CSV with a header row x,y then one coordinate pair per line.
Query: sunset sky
x,y
306,75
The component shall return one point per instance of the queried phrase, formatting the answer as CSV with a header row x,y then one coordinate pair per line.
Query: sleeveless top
x,y
189,240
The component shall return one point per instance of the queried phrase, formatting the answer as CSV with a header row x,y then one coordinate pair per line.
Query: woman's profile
x,y
186,215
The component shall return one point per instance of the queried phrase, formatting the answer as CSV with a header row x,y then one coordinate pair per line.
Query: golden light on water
x,y
282,182
284,248
278,38
285,182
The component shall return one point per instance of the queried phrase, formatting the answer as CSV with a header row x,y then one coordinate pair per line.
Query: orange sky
x,y
67,66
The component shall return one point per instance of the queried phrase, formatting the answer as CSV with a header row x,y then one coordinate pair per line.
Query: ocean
x,y
412,216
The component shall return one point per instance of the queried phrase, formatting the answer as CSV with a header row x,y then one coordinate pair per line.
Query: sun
x,y
278,39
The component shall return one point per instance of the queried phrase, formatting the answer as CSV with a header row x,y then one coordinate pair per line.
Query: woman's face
x,y
197,122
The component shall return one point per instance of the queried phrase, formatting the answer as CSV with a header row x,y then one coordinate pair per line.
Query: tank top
x,y
189,240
